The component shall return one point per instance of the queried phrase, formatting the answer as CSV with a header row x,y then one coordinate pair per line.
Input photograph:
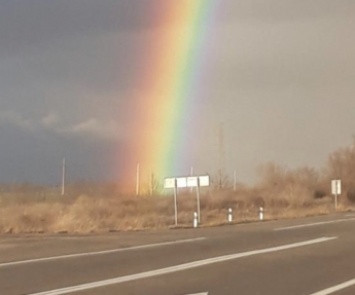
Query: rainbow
x,y
168,86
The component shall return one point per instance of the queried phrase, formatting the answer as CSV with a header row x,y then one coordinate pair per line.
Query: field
x,y
47,212
88,207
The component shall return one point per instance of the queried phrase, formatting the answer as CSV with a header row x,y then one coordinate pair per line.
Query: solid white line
x,y
350,215
336,288
313,224
180,267
100,252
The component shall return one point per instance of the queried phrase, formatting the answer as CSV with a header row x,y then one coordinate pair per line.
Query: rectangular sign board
x,y
192,181
181,182
336,187
169,182
204,180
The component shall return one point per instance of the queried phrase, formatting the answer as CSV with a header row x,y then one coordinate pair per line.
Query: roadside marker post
x,y
261,213
336,191
230,215
195,222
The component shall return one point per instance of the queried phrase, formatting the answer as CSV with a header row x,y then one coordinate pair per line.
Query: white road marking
x,y
181,267
100,252
336,288
314,224
350,215
206,293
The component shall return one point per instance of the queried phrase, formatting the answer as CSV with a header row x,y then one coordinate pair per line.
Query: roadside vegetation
x,y
88,207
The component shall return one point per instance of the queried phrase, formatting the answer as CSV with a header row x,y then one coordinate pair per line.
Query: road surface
x,y
308,256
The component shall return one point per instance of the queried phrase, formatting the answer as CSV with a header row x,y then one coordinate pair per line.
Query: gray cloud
x,y
30,25
50,120
283,11
16,119
93,127
278,73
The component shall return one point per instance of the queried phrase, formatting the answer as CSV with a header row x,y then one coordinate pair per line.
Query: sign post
x,y
193,181
172,183
336,191
185,182
198,181
198,200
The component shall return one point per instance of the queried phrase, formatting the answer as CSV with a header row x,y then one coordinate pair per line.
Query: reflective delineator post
x,y
261,213
336,191
230,216
195,223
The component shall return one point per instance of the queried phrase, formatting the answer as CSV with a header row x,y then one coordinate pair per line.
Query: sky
x,y
278,75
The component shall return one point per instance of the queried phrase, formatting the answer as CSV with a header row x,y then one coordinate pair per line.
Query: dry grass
x,y
89,208
94,213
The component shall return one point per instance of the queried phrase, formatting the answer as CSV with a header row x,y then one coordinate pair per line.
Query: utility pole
x,y
151,184
137,179
63,177
221,155
191,174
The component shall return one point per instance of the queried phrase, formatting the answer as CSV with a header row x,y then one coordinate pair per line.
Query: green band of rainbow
x,y
169,78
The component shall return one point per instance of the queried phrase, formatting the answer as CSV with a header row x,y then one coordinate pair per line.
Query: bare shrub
x,y
91,207
281,187
341,165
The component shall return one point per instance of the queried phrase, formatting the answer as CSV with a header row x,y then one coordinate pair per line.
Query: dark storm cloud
x,y
26,25
36,157
278,73
55,44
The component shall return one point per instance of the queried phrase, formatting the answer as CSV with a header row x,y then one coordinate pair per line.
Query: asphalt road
x,y
309,256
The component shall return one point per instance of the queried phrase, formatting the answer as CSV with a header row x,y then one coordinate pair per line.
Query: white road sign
x,y
336,187
204,180
192,181
169,183
181,182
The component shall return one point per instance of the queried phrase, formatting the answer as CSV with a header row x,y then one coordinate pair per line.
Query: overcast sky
x,y
279,74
